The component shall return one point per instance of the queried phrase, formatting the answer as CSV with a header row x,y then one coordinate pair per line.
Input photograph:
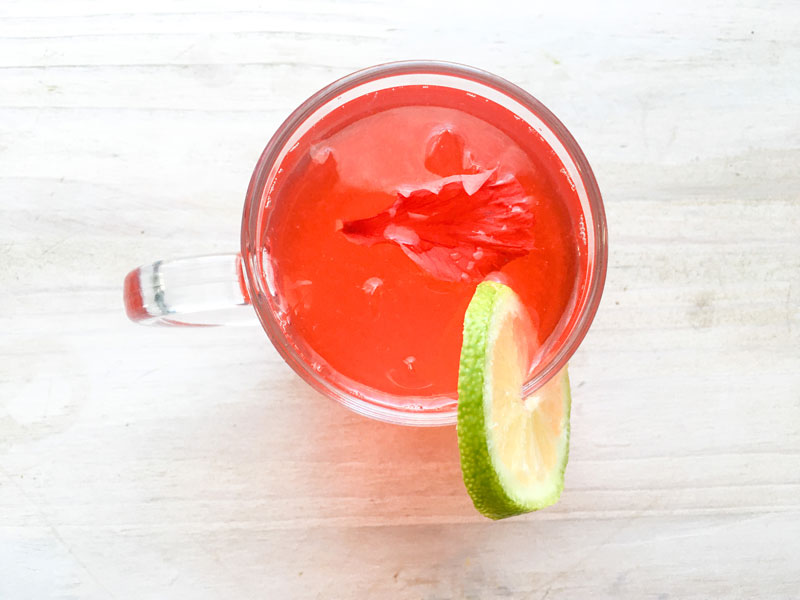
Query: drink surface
x,y
365,315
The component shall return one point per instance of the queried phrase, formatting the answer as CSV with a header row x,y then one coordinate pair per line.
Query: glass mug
x,y
233,288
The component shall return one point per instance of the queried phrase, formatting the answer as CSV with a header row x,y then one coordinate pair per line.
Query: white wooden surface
x,y
148,463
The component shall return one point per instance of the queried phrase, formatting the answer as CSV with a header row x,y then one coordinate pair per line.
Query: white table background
x,y
150,463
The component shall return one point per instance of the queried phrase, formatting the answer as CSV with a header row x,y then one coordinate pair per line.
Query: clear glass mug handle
x,y
198,291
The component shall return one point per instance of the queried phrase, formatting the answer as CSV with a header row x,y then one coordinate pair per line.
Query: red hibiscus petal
x,y
457,228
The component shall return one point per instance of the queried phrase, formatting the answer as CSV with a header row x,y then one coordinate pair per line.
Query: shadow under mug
x,y
231,289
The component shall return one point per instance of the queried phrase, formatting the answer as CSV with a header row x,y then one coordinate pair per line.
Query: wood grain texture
x,y
146,463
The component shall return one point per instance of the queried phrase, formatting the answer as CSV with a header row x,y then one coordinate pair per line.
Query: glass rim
x,y
596,261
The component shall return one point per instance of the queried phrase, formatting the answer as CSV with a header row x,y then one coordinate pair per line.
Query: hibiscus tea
x,y
385,216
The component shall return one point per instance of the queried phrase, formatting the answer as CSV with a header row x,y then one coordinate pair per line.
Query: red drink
x,y
368,317
372,215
